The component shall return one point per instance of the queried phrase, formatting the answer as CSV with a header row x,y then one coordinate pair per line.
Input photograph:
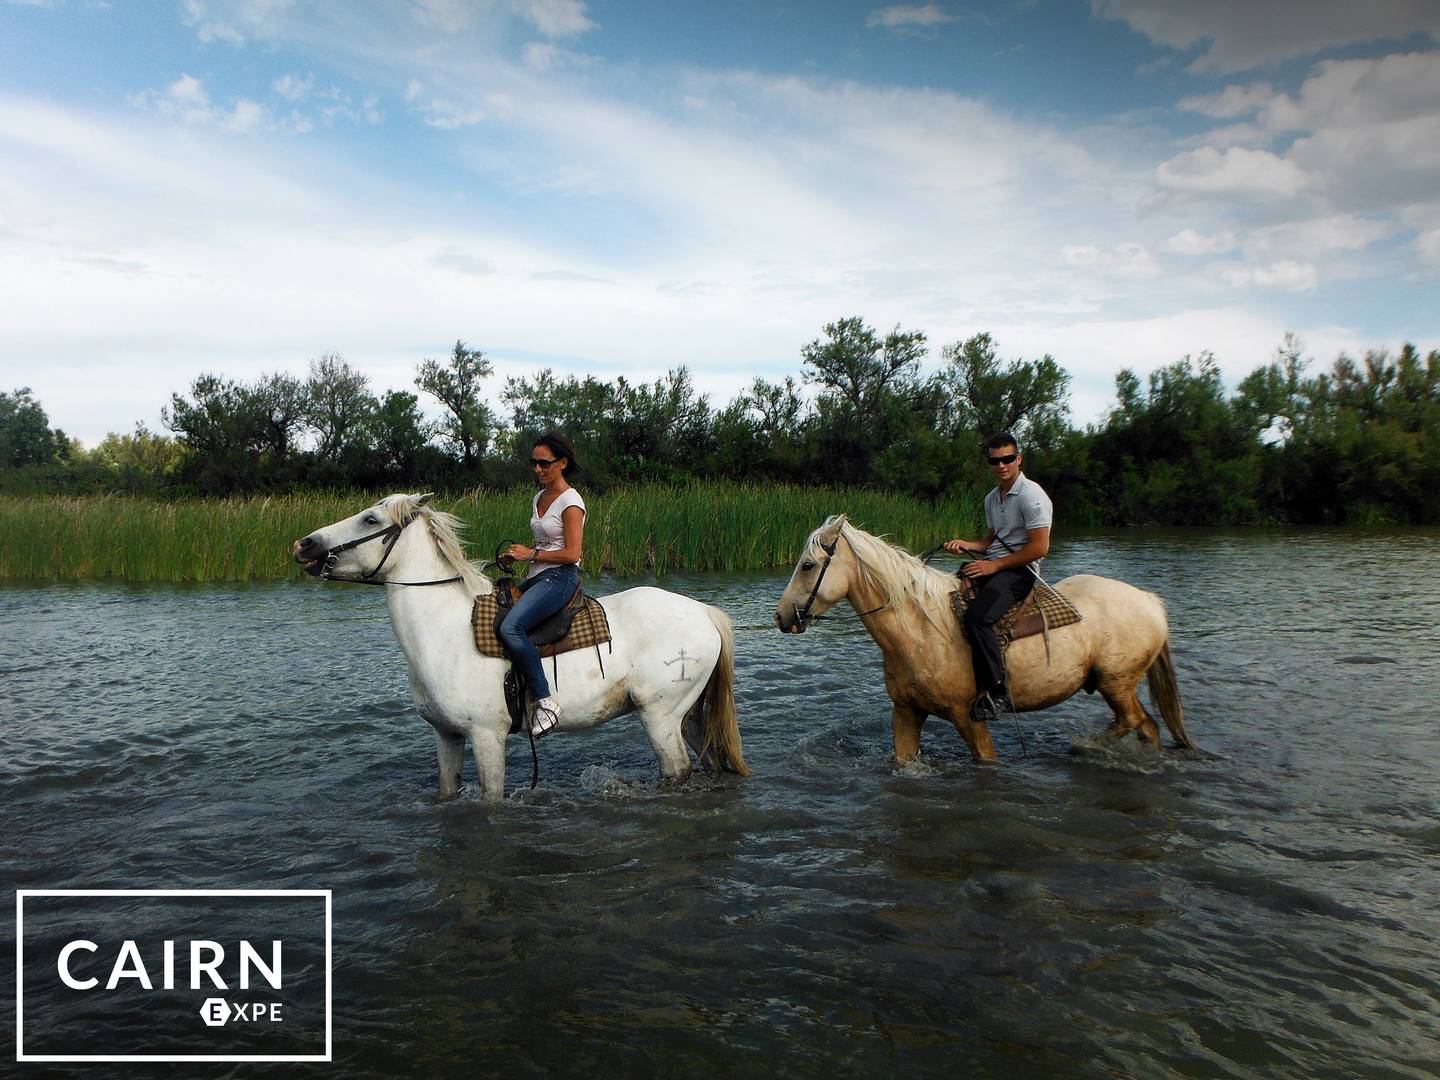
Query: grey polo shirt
x,y
1024,507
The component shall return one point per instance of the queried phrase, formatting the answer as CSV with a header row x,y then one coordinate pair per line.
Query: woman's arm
x,y
572,523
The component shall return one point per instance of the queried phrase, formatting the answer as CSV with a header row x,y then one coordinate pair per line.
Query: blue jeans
x,y
541,597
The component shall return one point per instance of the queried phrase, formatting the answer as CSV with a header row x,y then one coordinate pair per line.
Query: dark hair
x,y
559,445
1002,438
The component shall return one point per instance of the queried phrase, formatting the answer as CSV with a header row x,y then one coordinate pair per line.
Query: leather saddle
x,y
553,629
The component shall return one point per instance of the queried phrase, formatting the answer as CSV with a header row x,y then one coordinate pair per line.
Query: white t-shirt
x,y
548,529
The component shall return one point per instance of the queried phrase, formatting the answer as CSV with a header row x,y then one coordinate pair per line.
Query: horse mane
x,y
445,531
893,572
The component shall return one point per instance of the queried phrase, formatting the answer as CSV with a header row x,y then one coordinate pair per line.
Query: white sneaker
x,y
545,718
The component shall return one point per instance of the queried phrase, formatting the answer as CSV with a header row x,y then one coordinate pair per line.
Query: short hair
x,y
1002,438
559,445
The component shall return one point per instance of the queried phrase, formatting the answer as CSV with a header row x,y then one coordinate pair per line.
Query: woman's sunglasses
x,y
1003,459
543,463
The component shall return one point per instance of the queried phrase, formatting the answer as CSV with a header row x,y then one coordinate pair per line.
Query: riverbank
x,y
649,528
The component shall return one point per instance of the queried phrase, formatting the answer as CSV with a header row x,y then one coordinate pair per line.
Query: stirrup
x,y
543,720
983,709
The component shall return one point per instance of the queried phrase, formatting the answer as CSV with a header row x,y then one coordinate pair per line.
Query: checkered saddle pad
x,y
1039,613
588,627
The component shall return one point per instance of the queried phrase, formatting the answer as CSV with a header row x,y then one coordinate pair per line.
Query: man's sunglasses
x,y
543,463
1003,459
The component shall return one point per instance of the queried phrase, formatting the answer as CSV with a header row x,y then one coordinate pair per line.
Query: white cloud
x,y
1427,244
555,18
1123,260
1286,276
1189,242
187,100
909,16
1238,35
1232,171
1231,102
293,87
208,29
547,56
244,117
1318,236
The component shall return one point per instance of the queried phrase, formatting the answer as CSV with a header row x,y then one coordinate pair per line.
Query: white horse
x,y
671,658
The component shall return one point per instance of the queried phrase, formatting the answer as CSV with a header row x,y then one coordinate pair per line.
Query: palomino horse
x,y
672,659
1121,638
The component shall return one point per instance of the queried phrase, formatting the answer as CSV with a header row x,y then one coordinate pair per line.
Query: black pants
x,y
996,595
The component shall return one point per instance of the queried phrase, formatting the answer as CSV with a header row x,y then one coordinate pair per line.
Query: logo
x,y
173,975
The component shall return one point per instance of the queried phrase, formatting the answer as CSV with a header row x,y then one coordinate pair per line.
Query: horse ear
x,y
831,532
417,501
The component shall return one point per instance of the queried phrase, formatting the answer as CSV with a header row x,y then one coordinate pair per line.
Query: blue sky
x,y
620,188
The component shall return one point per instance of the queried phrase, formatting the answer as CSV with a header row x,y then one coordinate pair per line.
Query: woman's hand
x,y
521,552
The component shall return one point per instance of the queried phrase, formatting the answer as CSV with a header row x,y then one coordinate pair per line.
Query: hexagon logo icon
x,y
215,1011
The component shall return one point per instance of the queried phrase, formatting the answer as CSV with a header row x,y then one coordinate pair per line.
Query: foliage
x,y
1357,442
26,437
641,529
455,383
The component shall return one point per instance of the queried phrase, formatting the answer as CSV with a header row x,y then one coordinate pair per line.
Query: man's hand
x,y
956,547
980,568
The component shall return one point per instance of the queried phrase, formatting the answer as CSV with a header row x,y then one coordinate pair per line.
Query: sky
x,y
621,188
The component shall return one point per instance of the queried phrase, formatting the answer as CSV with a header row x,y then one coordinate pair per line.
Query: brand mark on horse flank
x,y
681,661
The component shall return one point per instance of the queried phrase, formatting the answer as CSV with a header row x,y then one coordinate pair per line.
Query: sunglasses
x,y
1003,459
543,463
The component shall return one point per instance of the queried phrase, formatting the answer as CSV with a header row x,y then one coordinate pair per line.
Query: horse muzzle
x,y
310,555
792,625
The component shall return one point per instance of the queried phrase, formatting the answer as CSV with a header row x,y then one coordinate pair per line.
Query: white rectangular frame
x,y
20,896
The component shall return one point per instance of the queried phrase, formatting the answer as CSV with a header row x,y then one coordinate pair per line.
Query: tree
x,y
400,433
1025,398
26,437
278,403
860,367
146,453
455,383
872,399
338,400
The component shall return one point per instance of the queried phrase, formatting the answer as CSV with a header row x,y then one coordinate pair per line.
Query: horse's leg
x,y
906,720
450,757
693,730
976,736
489,748
663,729
1130,715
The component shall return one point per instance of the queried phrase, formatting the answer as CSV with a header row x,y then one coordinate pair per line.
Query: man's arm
x,y
1037,546
976,547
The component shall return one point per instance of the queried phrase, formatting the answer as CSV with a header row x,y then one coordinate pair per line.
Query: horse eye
x,y
371,519
807,566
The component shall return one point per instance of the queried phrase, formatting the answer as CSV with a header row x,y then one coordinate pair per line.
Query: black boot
x,y
982,709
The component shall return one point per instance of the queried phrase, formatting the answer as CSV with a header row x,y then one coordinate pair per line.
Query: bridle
x,y
391,535
802,614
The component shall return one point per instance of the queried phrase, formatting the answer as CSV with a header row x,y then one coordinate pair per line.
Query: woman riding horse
x,y
557,523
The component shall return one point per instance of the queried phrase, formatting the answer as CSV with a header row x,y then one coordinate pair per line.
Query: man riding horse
x,y
1019,515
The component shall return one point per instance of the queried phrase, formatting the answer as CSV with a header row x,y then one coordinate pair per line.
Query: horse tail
x,y
722,733
1165,693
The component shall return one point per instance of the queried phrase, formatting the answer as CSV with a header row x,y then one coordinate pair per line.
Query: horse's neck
x,y
890,626
428,619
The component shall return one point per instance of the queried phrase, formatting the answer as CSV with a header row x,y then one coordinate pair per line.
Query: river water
x,y
1265,909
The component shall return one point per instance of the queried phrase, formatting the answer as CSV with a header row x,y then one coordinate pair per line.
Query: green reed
x,y
645,529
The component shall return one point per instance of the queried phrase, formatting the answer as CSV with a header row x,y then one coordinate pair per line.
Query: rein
x,y
391,534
